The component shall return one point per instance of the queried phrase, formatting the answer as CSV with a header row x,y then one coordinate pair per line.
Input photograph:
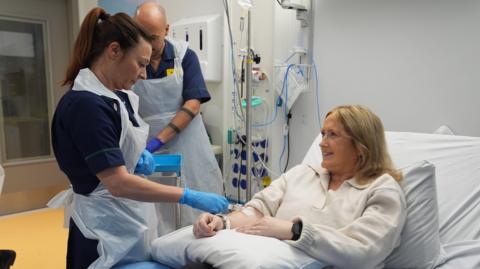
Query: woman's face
x,y
132,66
338,152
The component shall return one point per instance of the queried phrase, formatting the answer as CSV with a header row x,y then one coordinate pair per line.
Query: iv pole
x,y
302,15
248,122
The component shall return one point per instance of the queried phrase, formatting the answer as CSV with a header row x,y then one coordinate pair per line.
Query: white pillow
x,y
229,249
457,175
444,129
420,245
170,248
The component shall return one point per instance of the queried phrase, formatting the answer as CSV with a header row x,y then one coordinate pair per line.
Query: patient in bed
x,y
347,211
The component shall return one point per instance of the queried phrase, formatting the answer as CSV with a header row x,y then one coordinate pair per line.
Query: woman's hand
x,y
271,227
207,225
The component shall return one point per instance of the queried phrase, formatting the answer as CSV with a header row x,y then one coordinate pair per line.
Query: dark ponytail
x,y
97,31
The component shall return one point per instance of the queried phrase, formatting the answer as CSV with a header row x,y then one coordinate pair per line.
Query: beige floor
x,y
38,238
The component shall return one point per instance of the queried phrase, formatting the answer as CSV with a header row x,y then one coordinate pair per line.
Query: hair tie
x,y
103,16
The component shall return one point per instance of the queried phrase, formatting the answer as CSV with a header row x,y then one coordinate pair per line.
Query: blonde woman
x,y
347,211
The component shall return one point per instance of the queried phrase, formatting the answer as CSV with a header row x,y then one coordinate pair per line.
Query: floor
x,y
37,237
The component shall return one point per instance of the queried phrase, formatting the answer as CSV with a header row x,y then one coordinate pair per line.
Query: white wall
x,y
288,34
77,10
413,62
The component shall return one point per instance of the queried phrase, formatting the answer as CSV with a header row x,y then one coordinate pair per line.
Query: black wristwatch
x,y
296,230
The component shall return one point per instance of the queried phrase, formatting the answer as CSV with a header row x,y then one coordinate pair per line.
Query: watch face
x,y
296,230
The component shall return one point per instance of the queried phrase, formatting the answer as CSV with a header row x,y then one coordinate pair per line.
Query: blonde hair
x,y
368,135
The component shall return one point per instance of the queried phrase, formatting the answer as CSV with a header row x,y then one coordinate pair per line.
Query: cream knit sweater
x,y
355,226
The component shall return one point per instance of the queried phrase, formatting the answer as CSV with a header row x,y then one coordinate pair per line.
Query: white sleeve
x,y
366,242
269,199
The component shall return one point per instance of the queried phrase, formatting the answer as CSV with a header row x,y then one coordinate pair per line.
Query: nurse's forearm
x,y
122,184
180,121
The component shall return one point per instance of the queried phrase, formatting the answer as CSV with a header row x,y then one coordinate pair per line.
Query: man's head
x,y
154,20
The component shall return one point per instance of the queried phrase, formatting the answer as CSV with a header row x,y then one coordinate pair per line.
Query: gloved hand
x,y
205,201
146,164
154,144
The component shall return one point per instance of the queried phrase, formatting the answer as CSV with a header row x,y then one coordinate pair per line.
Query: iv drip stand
x,y
248,122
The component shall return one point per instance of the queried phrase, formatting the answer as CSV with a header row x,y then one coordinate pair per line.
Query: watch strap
x,y
225,220
296,230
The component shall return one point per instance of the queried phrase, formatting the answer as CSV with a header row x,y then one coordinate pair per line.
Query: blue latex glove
x,y
154,144
205,201
146,164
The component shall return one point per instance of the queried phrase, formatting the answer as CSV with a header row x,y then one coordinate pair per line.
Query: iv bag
x,y
291,80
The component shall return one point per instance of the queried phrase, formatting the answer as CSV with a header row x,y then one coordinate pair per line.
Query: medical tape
x,y
249,211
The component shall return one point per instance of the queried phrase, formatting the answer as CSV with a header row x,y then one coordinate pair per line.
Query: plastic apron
x,y
160,100
124,228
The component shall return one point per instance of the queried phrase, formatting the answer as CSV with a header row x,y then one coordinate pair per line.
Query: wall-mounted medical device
x,y
301,7
205,36
293,4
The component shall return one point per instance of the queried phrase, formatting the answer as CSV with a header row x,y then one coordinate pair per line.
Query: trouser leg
x,y
7,258
197,265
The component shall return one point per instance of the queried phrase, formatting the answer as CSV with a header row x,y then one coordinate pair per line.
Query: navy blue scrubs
x,y
193,83
86,132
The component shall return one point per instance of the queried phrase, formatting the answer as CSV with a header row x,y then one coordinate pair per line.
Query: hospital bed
x,y
442,186
452,229
457,163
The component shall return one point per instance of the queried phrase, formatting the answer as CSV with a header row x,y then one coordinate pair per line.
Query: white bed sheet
x,y
462,255
457,162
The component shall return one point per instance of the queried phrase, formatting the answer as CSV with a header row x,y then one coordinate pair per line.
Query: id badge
x,y
170,71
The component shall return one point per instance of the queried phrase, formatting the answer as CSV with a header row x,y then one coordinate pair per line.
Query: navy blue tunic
x,y
193,83
86,132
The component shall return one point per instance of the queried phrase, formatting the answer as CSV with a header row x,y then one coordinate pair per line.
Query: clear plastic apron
x,y
124,228
160,100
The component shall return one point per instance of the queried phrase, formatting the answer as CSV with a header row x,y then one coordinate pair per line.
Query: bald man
x,y
169,100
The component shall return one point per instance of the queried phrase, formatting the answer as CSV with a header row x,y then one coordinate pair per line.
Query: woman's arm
x,y
207,224
257,212
122,184
366,242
